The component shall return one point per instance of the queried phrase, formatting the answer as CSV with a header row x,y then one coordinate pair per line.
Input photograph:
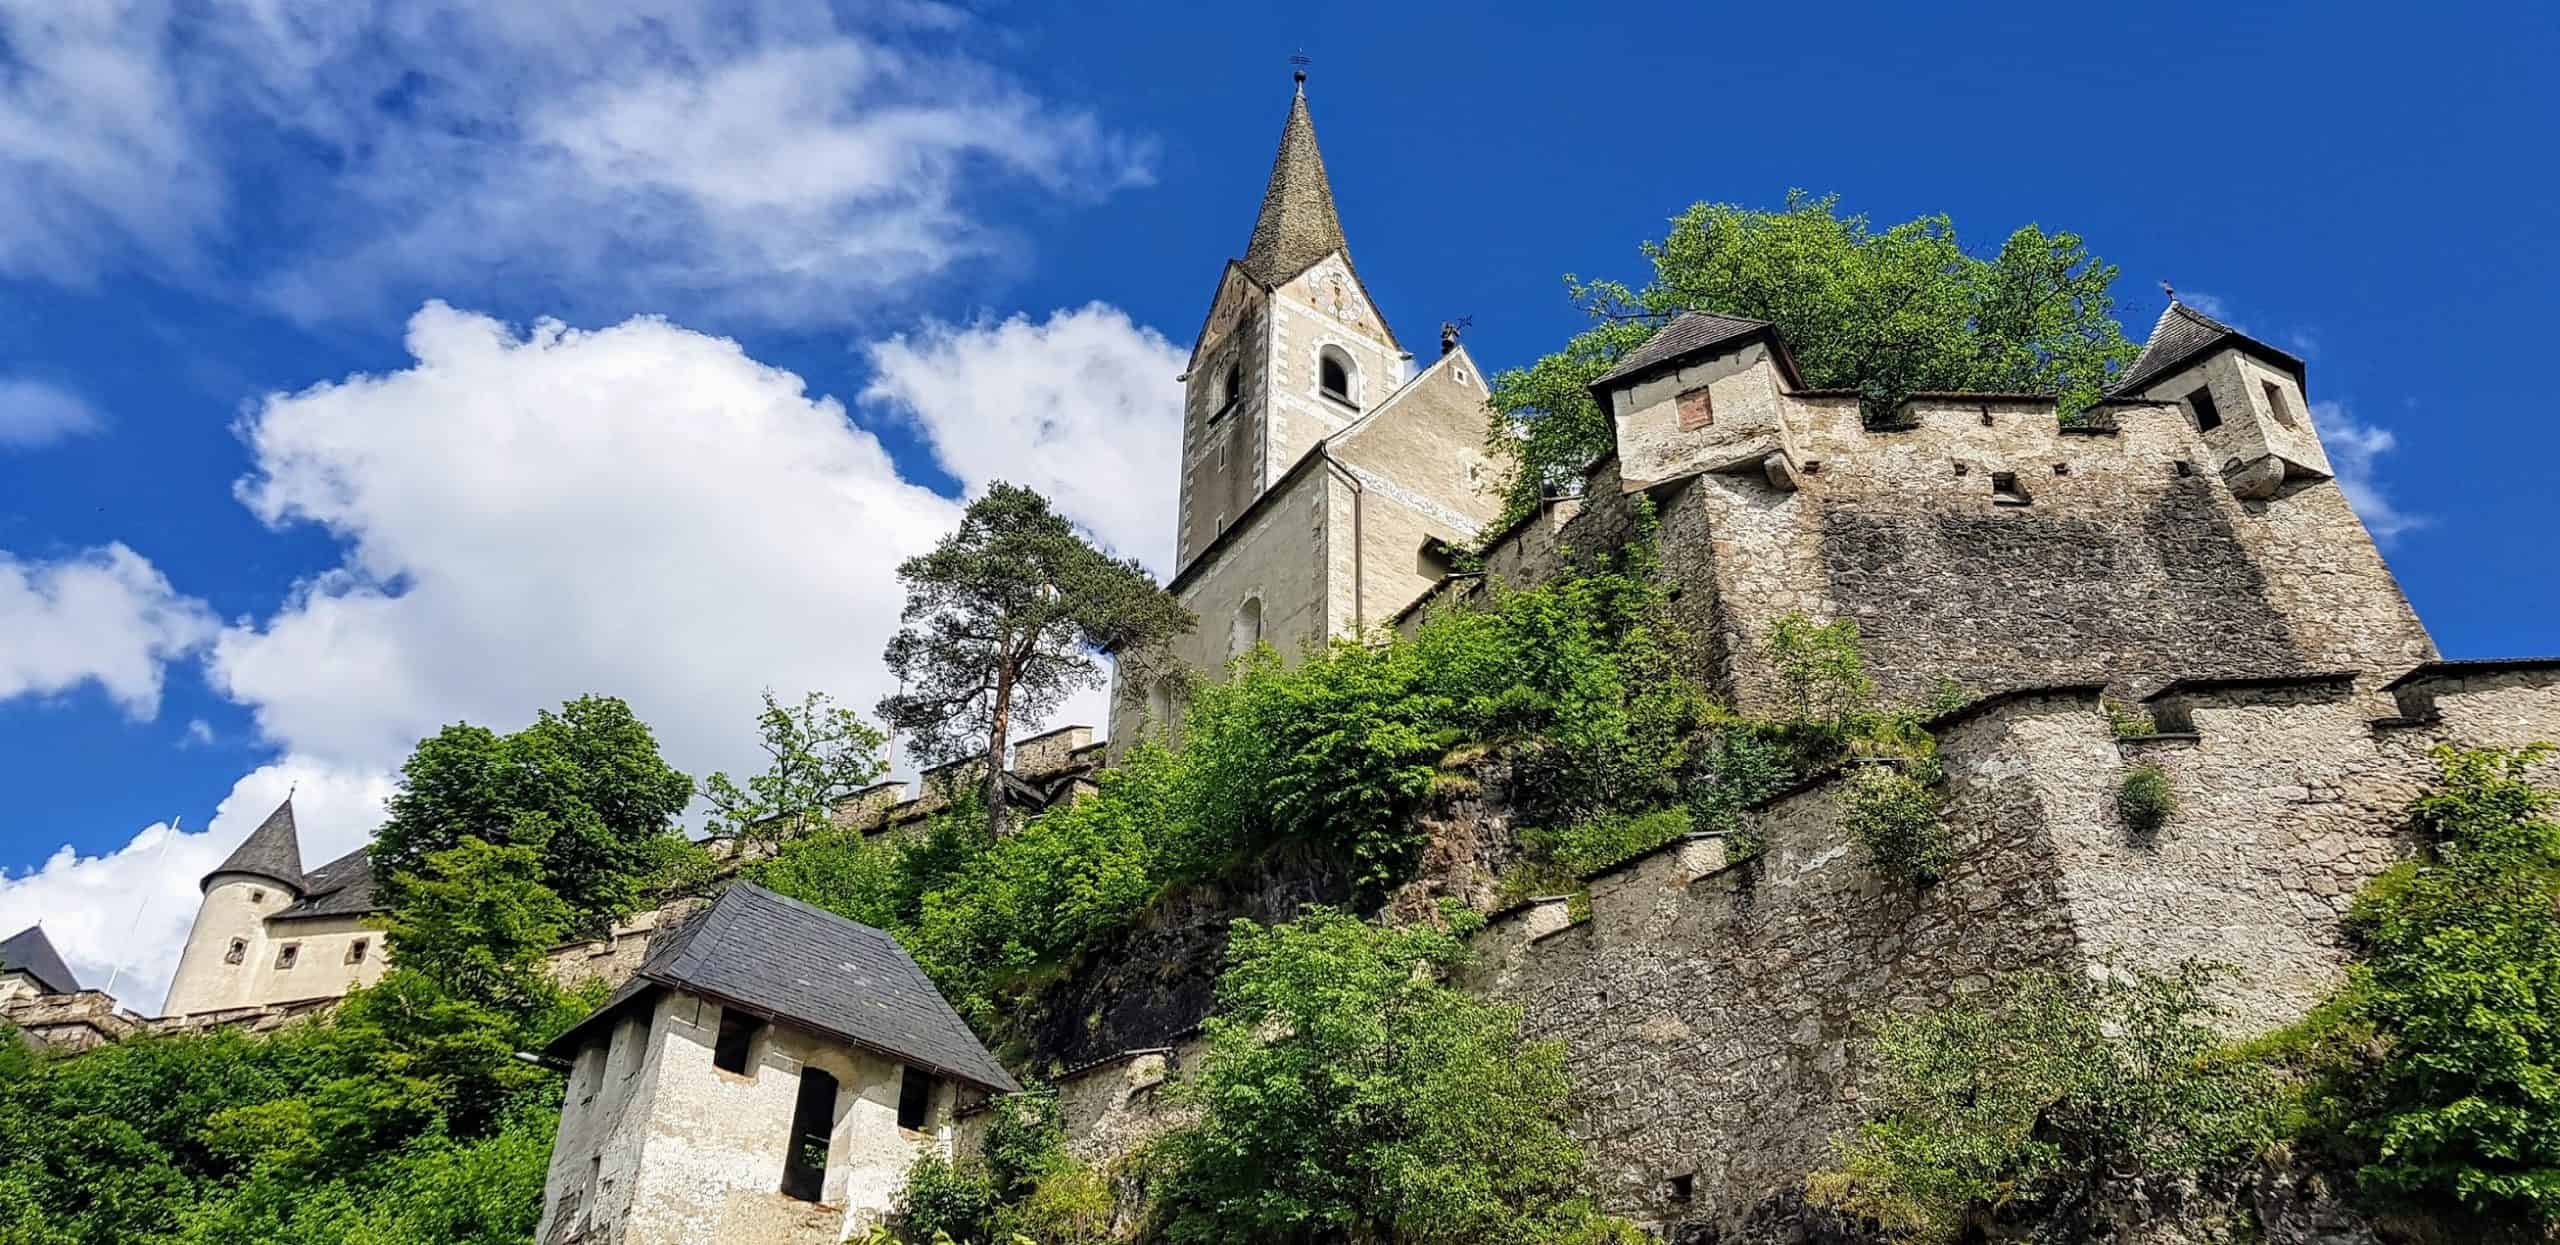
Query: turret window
x,y
239,951
1333,375
289,955
2276,404
2208,417
356,950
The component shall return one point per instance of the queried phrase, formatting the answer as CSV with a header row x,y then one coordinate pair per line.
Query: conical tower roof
x,y
29,951
272,851
1298,224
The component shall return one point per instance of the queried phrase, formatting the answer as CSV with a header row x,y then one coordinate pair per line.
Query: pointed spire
x,y
1298,225
272,851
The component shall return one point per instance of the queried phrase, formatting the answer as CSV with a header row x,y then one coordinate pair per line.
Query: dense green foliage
x,y
817,753
2438,1068
583,787
1885,312
2145,801
1572,680
1349,1093
1003,620
2024,1091
405,1118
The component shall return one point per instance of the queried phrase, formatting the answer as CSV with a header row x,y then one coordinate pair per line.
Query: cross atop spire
x,y
1298,224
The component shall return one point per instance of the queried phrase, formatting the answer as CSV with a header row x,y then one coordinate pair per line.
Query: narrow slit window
x,y
915,1098
813,1119
2276,405
356,950
637,1050
736,1040
2208,416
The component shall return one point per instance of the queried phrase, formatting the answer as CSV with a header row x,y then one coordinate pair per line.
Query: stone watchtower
x,y
769,1074
270,931
1324,479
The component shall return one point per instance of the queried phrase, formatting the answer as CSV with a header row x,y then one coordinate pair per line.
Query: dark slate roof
x,y
1692,332
342,887
29,951
2184,334
272,851
807,967
1298,224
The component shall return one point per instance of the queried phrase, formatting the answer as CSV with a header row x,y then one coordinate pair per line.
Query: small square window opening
x,y
735,1042
288,955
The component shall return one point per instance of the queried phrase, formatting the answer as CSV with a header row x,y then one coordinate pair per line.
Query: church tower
x,y
1292,352
1326,481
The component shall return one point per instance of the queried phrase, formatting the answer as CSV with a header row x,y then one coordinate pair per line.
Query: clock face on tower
x,y
1340,300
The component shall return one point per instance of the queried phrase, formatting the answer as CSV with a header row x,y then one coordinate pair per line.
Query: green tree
x,y
1886,312
817,753
2041,1082
1004,618
584,788
1349,1093
2444,1049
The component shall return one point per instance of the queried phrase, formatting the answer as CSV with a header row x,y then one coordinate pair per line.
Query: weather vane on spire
x,y
1301,60
2170,290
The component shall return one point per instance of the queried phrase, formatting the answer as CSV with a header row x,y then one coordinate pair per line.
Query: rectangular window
x,y
2208,417
813,1119
639,1045
737,1036
356,950
286,956
2276,404
1697,409
915,1098
2005,490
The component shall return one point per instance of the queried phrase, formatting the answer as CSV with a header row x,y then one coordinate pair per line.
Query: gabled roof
x,y
2184,334
1298,224
803,966
272,851
29,951
342,887
1693,333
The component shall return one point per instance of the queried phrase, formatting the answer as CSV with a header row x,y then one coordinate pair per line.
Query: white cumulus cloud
x,y
105,617
2354,446
1081,406
33,413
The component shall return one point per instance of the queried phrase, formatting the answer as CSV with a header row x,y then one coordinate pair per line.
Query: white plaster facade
x,y
658,1146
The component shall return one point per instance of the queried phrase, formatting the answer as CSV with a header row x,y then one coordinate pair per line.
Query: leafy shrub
x,y
1895,817
2036,1084
1348,1092
2127,721
2440,1057
944,1198
1557,860
1071,1204
1825,677
2145,801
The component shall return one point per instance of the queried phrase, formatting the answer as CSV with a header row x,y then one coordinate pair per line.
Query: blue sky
x,y
366,367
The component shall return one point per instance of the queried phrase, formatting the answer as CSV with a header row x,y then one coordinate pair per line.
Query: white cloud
x,y
764,156
2353,446
33,413
121,917
640,510
106,616
1081,406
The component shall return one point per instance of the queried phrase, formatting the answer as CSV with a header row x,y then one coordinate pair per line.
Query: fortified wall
x,y
1977,537
1711,1006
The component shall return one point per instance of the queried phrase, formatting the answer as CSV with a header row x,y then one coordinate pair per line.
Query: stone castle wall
x,y
2119,553
1711,1013
1712,1008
